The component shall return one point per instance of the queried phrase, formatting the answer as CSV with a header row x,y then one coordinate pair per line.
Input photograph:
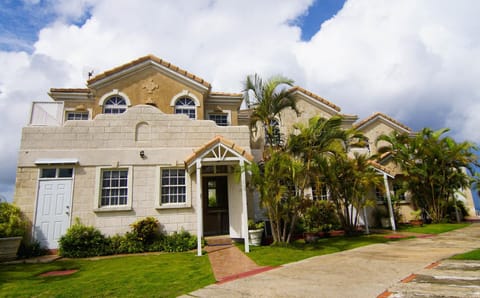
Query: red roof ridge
x,y
146,58
73,90
315,96
379,114
219,139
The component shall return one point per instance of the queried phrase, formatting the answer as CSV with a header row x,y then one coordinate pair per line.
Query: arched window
x,y
115,105
186,105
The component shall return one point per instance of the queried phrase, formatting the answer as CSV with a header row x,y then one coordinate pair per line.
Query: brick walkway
x,y
230,263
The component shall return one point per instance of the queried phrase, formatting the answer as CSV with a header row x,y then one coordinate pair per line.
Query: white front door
x,y
53,211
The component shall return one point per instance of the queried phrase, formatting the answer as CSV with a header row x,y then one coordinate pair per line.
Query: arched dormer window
x,y
186,105
114,105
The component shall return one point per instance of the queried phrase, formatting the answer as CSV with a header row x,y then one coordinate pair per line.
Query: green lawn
x,y
163,275
299,250
434,228
471,255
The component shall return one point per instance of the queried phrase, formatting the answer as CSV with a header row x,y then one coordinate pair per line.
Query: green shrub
x,y
12,223
29,250
452,206
181,241
321,215
82,241
146,230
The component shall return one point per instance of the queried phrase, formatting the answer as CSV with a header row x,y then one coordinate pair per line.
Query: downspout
x,y
365,220
199,208
389,202
244,207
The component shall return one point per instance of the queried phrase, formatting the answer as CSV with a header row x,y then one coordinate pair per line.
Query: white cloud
x,y
415,60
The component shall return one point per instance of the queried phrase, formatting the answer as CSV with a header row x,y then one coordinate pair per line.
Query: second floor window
x,y
115,105
220,119
186,106
75,115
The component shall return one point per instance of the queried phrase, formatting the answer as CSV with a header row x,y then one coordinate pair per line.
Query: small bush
x,y
177,242
12,223
29,250
321,215
146,230
82,241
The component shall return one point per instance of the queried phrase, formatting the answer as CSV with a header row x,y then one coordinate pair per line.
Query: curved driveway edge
x,y
362,272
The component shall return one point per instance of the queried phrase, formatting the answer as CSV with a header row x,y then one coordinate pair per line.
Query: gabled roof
x,y
212,143
153,59
377,116
315,96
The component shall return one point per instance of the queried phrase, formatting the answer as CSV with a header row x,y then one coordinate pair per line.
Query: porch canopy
x,y
219,151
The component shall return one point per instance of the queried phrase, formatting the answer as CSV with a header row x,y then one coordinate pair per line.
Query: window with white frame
x,y
114,187
77,115
220,119
115,105
186,105
173,186
320,192
379,194
399,191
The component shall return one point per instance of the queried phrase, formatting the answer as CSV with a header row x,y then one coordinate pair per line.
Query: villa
x,y
150,139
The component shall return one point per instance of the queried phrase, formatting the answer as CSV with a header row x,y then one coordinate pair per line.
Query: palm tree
x,y
434,166
268,100
349,180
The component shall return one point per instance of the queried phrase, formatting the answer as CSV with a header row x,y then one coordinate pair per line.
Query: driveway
x,y
362,272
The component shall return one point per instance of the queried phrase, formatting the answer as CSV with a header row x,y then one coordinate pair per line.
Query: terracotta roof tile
x,y
214,141
216,93
154,59
376,115
72,90
315,96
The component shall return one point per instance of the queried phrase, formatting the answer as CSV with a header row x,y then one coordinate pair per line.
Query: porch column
x,y
199,208
389,202
244,207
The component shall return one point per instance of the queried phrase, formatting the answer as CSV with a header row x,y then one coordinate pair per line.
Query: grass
x,y
163,275
471,255
299,250
434,228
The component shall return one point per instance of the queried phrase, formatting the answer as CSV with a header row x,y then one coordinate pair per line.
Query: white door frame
x,y
66,208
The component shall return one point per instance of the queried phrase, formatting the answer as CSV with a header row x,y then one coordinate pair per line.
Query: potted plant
x,y
255,232
417,218
12,229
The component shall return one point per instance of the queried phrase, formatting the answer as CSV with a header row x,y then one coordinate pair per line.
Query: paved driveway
x,y
363,272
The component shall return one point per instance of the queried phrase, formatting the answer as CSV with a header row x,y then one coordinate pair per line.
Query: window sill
x,y
173,206
112,209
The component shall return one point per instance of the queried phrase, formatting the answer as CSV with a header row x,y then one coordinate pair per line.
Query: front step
x,y
220,240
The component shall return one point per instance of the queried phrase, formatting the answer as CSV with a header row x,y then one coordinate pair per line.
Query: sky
x,y
415,60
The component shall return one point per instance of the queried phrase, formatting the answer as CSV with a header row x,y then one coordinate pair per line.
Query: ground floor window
x,y
114,187
173,186
320,192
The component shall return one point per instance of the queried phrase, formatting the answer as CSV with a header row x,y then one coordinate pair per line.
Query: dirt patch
x,y
58,273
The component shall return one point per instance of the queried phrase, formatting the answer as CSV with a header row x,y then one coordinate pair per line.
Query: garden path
x,y
229,262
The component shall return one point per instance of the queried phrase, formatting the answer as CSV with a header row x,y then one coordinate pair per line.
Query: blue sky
x,y
21,22
416,61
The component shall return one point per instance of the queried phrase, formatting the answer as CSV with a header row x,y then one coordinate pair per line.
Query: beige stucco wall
x,y
116,140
